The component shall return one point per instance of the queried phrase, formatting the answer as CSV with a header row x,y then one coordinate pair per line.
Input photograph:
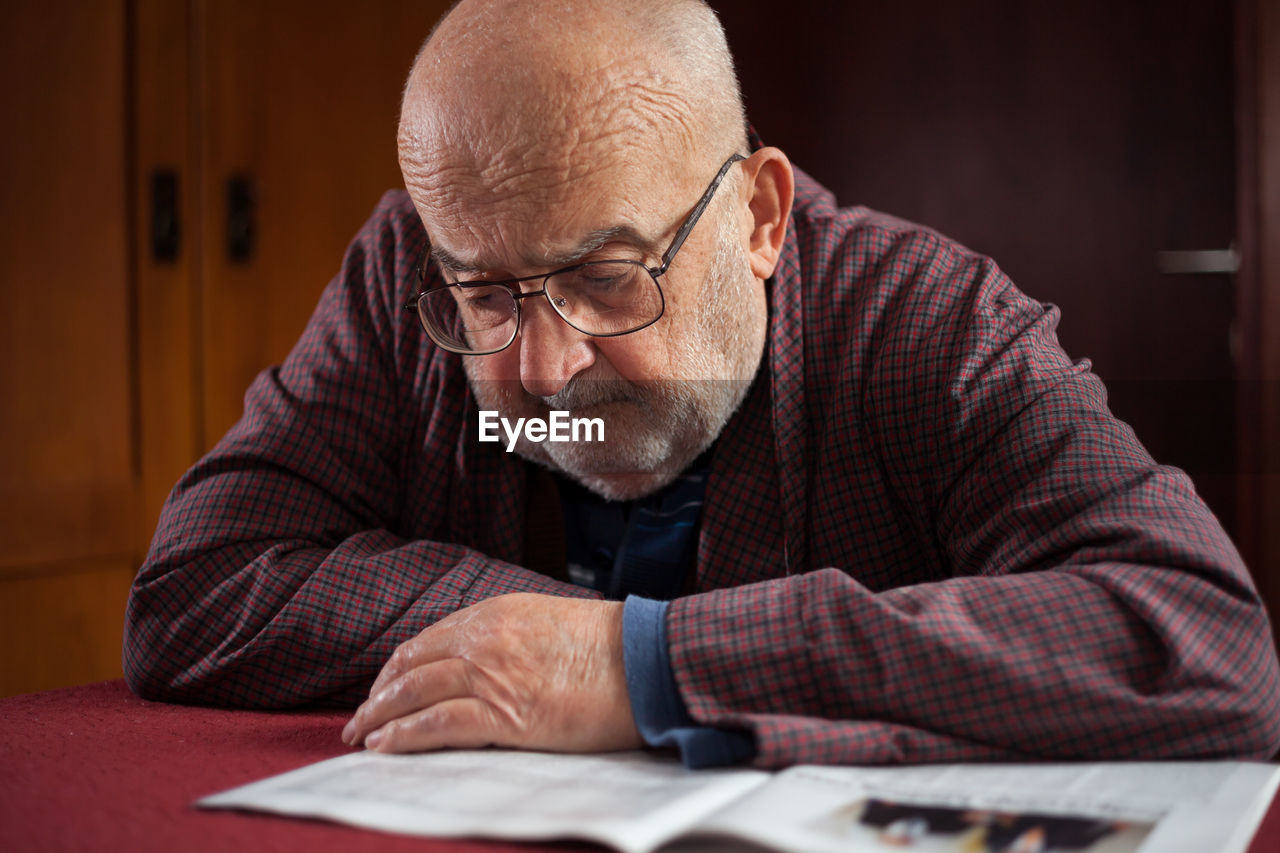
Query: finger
x,y
433,644
417,689
466,723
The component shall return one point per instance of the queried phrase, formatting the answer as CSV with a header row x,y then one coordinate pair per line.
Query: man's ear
x,y
770,187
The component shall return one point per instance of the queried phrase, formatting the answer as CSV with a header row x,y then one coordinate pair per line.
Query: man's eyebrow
x,y
600,238
593,242
448,261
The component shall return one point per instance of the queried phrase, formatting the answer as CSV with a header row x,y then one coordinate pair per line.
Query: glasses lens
x,y
469,319
606,297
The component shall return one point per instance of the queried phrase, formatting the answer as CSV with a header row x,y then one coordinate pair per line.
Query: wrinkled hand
x,y
520,670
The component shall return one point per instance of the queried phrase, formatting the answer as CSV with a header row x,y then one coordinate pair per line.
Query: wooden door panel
x,y
63,625
68,475
168,286
302,98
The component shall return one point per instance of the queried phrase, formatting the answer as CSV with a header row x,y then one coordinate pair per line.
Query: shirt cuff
x,y
660,713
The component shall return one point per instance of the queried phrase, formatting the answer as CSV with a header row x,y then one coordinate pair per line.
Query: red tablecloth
x,y
96,768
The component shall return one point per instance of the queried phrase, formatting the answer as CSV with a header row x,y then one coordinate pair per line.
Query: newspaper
x,y
640,802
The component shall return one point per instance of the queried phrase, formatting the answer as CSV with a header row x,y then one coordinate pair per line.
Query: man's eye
x,y
601,281
485,302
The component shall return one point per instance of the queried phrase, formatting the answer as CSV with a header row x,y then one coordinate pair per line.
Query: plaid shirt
x,y
925,537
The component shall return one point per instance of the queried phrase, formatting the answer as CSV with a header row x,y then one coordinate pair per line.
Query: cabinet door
x,y
120,365
69,472
277,123
298,109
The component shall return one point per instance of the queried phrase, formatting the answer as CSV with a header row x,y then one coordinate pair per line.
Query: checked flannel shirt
x,y
924,538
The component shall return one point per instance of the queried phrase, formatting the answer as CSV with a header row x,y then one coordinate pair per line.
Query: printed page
x,y
630,801
1167,807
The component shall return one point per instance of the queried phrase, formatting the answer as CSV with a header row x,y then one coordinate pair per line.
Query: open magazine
x,y
638,802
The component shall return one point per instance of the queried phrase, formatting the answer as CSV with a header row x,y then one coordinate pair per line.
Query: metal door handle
x,y
241,234
1216,261
166,226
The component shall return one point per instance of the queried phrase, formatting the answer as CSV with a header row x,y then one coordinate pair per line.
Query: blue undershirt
x,y
643,551
660,713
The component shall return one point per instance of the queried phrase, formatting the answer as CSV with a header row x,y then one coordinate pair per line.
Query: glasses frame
x,y
513,284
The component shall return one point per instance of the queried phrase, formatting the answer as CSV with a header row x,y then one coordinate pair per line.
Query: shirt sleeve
x,y
659,712
1037,586
327,527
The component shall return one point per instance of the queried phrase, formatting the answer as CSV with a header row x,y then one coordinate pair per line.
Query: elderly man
x,y
852,503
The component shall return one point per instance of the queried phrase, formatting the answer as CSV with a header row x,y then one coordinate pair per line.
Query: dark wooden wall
x,y
1072,142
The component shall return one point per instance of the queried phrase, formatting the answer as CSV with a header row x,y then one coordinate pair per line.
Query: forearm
x,y
276,624
286,567
1046,664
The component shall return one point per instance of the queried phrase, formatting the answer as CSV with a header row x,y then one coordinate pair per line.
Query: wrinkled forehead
x,y
527,184
535,211
522,152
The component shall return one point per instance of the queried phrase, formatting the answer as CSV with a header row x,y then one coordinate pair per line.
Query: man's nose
x,y
551,351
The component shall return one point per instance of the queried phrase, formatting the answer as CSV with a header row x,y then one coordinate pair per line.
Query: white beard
x,y
653,429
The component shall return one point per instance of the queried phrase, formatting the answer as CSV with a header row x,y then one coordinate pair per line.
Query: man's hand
x,y
520,670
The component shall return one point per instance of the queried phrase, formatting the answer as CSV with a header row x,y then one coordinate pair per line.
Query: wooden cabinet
x,y
119,368
69,476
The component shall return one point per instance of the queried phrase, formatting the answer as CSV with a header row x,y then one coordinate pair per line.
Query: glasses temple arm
x,y
696,214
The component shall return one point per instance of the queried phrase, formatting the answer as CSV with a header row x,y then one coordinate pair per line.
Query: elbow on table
x,y
160,661
1238,691
1260,741
146,682
1254,728
165,669
176,651
149,667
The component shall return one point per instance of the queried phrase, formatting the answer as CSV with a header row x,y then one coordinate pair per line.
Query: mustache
x,y
578,393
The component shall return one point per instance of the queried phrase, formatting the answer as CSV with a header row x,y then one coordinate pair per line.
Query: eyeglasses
x,y
599,298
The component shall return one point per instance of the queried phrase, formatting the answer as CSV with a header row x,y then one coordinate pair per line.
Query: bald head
x,y
516,95
538,135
